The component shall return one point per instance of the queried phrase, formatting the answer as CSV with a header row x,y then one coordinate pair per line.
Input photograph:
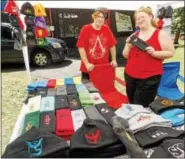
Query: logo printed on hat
x,y
177,150
96,98
93,137
158,134
167,102
74,103
104,110
47,119
28,126
35,147
142,118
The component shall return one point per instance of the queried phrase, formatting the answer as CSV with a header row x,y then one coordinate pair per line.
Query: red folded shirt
x,y
103,78
40,33
64,123
51,83
114,99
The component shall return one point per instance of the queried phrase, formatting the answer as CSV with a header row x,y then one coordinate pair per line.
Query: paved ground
x,y
67,68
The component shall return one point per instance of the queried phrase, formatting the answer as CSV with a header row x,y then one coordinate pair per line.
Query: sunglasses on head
x,y
145,7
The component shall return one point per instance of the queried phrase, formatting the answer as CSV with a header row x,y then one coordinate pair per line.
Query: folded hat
x,y
42,42
59,82
142,121
74,102
27,9
31,120
40,32
68,81
47,104
40,22
51,83
42,84
29,21
127,111
71,89
91,88
34,104
51,91
62,90
161,104
170,148
96,98
155,135
78,117
47,121
93,113
175,115
37,143
61,101
105,111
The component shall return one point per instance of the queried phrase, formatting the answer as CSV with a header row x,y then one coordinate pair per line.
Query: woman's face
x,y
99,20
143,20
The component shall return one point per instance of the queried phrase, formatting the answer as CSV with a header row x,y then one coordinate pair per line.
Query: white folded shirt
x,y
78,116
34,104
96,98
127,111
143,121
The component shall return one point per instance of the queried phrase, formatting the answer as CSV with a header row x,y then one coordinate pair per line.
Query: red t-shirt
x,y
142,65
96,44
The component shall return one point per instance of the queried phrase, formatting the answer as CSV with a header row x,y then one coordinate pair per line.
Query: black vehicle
x,y
56,51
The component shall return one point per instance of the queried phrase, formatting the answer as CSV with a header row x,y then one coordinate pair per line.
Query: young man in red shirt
x,y
94,43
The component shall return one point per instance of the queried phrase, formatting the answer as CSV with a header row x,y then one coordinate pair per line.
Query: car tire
x,y
41,58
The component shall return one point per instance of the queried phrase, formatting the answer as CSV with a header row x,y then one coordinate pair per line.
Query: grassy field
x,y
13,93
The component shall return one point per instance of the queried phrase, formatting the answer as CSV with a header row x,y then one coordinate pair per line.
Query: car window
x,y
6,33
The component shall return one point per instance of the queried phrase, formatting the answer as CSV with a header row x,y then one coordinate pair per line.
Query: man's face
x,y
99,20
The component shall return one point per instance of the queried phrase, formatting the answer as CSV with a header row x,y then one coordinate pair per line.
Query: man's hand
x,y
113,64
89,67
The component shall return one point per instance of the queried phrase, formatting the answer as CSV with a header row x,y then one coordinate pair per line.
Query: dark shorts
x,y
142,91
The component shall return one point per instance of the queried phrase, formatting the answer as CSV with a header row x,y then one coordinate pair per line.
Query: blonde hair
x,y
95,14
148,11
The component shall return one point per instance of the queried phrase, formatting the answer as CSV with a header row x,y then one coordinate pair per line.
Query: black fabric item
x,y
74,102
121,129
169,12
51,92
142,91
161,13
139,43
106,112
31,42
30,33
153,136
29,21
161,104
61,101
85,77
36,143
47,121
93,139
13,20
71,89
171,148
42,91
27,9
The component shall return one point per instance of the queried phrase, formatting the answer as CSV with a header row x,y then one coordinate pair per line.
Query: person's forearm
x,y
83,55
126,51
163,54
113,53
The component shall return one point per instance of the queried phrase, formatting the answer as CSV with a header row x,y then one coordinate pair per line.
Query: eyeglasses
x,y
98,16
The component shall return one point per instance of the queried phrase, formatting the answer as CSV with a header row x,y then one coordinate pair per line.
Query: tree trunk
x,y
177,35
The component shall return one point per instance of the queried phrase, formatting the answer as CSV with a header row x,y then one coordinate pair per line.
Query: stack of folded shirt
x,y
77,80
47,104
91,88
61,101
78,117
34,104
51,83
95,139
96,98
31,120
47,121
85,99
51,91
142,121
81,87
127,111
42,84
68,81
74,102
61,90
64,124
37,143
32,86
71,89
59,82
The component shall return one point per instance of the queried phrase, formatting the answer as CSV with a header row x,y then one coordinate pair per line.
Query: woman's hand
x,y
150,50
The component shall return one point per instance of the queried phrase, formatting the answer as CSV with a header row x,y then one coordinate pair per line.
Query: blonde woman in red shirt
x,y
144,69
